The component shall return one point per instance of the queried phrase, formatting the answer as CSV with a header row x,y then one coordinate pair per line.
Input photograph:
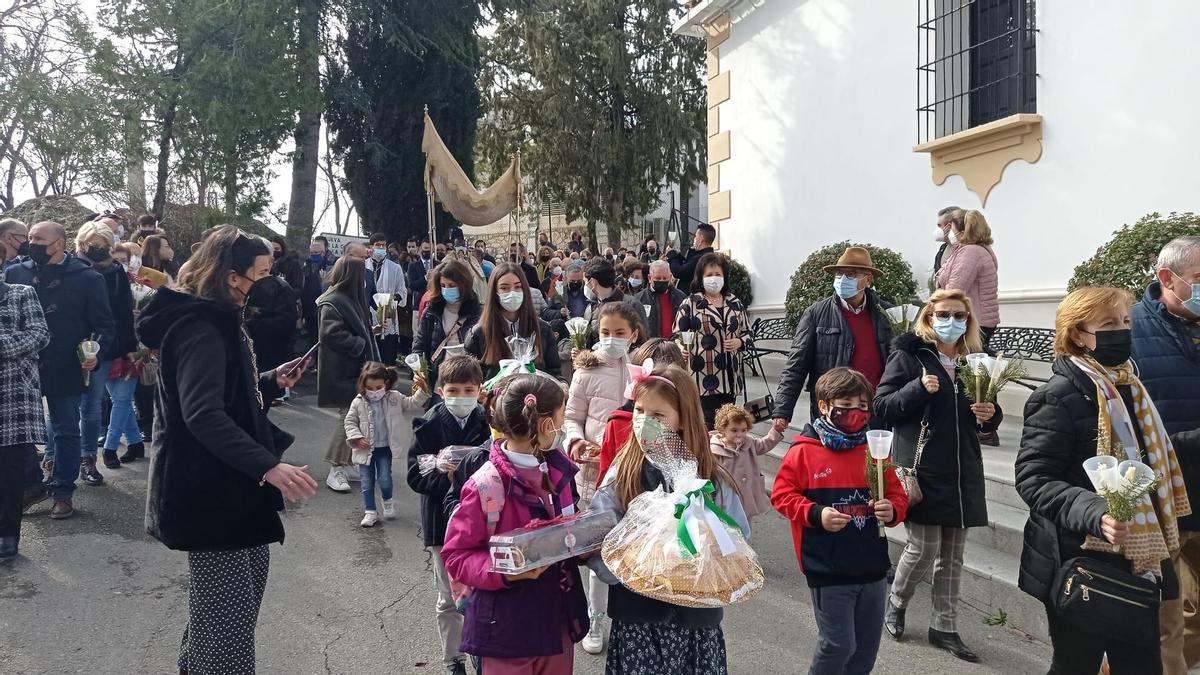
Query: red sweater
x,y
814,477
866,358
616,432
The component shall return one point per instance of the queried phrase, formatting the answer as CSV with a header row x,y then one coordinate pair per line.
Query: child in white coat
x,y
378,428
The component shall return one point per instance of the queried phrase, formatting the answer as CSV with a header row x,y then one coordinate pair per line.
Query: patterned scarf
x,y
1154,531
836,439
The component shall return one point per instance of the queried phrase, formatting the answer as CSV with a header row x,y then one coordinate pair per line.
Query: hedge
x,y
1127,260
811,283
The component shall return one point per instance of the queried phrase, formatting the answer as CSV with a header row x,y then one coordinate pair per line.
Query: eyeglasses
x,y
957,316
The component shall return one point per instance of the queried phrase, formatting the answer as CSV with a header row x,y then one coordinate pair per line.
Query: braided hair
x,y
526,399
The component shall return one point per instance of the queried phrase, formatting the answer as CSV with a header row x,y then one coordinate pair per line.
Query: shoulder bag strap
x,y
437,352
922,439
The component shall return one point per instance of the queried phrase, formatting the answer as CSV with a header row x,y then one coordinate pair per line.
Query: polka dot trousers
x,y
224,597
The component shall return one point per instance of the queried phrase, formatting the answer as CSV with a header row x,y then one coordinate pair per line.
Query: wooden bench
x,y
1034,345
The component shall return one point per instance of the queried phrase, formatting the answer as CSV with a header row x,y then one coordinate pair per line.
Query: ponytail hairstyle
x,y
526,399
664,353
374,370
625,311
681,391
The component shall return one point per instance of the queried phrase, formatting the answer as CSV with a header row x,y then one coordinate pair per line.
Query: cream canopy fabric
x,y
447,183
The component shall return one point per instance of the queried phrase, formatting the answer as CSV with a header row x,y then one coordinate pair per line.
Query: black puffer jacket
x,y
431,433
213,442
120,301
1059,434
431,333
271,320
823,342
551,361
951,468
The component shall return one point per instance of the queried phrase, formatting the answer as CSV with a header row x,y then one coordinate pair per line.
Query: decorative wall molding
x,y
981,153
704,13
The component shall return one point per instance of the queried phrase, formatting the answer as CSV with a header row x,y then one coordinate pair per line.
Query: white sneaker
x,y
369,519
389,508
351,474
336,480
593,642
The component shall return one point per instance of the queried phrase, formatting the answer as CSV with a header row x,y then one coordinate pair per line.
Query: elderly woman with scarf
x,y
1068,522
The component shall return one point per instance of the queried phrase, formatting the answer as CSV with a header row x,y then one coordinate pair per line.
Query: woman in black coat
x,y
216,482
347,344
508,308
452,311
1061,432
920,394
271,320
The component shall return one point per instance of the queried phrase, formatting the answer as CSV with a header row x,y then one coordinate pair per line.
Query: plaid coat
x,y
717,371
23,334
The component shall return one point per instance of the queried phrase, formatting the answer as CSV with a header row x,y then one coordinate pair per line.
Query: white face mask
x,y
589,293
512,300
938,234
714,284
461,406
952,238
612,347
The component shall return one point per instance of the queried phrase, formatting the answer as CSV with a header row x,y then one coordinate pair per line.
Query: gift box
x,y
451,454
544,543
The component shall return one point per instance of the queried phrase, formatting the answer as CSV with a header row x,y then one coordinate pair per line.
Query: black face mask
x,y
253,284
1112,346
575,286
277,254
97,254
661,287
38,254
23,249
426,255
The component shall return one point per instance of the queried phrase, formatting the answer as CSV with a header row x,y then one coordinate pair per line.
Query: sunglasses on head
x,y
957,316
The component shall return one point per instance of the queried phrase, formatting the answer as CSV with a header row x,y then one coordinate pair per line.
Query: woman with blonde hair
x,y
972,268
936,429
1069,524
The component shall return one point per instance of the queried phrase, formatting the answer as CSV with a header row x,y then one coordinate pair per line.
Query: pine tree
x,y
394,58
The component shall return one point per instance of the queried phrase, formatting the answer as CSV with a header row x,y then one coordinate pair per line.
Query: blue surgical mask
x,y
1191,304
949,330
634,282
846,287
315,257
379,253
451,294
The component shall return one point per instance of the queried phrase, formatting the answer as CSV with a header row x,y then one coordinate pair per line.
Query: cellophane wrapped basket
x,y
677,545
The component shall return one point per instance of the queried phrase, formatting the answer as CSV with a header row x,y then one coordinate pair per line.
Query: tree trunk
x,y
593,244
231,187
164,156
135,171
303,202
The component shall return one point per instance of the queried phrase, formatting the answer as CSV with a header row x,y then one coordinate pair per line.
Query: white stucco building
x,y
1059,120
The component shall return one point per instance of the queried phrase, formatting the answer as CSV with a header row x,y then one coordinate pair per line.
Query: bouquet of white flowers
x,y
983,376
902,318
578,329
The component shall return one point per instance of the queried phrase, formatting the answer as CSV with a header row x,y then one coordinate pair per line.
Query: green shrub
x,y
810,283
739,281
1127,260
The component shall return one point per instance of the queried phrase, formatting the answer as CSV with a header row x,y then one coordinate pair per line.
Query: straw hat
x,y
857,257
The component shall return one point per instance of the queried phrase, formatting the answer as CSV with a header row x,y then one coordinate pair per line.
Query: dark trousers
x,y
387,348
12,487
224,595
849,625
1079,652
143,402
711,403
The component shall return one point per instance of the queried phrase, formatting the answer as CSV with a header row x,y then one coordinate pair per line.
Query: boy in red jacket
x,y
822,488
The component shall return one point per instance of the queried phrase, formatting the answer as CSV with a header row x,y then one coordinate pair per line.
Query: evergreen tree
x,y
394,58
605,101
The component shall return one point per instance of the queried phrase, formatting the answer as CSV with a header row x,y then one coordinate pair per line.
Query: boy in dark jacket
x,y
457,420
822,488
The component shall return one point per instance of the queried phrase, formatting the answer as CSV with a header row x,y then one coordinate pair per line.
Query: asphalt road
x,y
94,594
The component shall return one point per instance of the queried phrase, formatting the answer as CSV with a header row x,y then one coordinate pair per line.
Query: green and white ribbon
x,y
510,367
693,503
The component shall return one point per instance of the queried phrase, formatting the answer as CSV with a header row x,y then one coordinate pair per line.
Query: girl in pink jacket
x,y
598,387
737,450
528,622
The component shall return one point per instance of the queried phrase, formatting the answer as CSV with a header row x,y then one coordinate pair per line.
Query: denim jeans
x,y
379,471
64,426
123,421
89,409
849,625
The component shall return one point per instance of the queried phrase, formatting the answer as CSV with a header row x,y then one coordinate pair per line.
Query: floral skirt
x,y
653,649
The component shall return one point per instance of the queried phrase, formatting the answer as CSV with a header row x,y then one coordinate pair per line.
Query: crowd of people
x,y
555,372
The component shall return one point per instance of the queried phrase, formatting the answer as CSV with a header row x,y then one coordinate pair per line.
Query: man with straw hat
x,y
848,328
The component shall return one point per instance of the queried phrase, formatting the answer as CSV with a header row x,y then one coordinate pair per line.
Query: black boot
x,y
110,459
952,643
88,473
893,620
134,452
8,547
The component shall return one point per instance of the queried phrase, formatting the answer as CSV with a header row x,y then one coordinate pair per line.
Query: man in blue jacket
x,y
75,302
1166,349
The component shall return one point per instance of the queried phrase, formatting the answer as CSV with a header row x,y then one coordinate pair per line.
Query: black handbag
x,y
1106,600
763,407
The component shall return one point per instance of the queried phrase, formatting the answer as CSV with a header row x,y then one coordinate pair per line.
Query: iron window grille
x,y
977,63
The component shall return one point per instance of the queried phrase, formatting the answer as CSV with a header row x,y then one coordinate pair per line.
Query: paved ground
x,y
95,595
